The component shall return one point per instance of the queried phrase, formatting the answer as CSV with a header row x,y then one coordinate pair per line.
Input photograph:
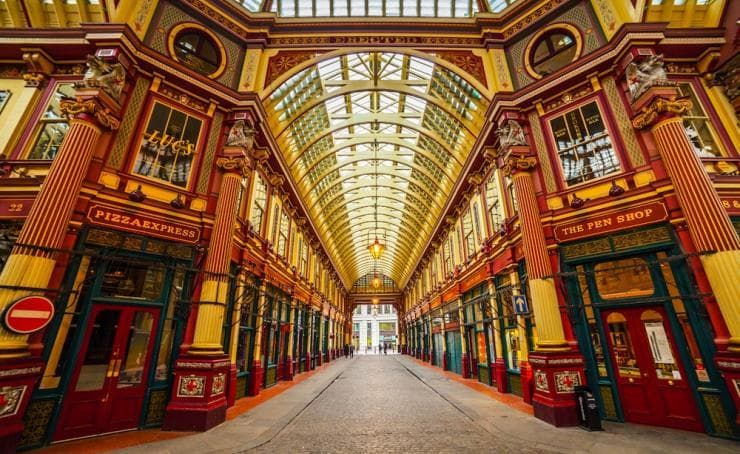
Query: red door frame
x,y
109,409
647,399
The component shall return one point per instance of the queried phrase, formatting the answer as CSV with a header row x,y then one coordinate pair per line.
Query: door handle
x,y
116,367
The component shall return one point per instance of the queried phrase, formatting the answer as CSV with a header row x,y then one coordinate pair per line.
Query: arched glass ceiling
x,y
353,123
382,8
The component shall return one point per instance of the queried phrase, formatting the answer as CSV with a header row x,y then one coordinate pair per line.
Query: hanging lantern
x,y
376,249
376,281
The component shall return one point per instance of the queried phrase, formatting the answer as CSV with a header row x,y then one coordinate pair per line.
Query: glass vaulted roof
x,y
387,8
375,132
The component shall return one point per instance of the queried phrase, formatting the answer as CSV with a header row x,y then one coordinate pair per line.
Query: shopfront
x,y
453,339
247,299
109,351
644,332
275,332
479,335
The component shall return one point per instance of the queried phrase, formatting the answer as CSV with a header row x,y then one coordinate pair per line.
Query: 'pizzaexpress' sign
x,y
142,224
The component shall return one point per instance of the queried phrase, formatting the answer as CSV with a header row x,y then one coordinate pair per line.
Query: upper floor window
x,y
447,254
240,202
493,202
282,239
552,51
476,223
168,145
258,206
468,234
53,126
198,49
697,125
583,144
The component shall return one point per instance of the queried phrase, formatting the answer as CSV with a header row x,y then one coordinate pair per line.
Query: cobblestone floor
x,y
388,404
377,405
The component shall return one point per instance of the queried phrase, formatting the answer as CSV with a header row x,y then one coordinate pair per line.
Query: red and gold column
x,y
552,363
289,371
708,224
32,259
198,394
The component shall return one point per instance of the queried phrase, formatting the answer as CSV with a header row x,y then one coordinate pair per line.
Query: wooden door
x,y
109,382
649,373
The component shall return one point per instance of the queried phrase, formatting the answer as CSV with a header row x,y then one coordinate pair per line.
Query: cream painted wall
x,y
16,110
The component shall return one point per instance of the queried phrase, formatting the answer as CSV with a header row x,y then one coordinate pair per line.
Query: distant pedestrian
x,y
385,349
346,350
352,351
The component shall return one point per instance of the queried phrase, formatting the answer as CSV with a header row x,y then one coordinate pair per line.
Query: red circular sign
x,y
29,314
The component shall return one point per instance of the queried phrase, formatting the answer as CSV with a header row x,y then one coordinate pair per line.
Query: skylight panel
x,y
251,5
375,7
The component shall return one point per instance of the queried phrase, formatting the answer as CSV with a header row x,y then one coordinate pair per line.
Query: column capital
x,y
518,158
660,107
233,164
89,108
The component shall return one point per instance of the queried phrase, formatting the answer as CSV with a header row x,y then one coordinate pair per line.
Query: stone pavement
x,y
396,404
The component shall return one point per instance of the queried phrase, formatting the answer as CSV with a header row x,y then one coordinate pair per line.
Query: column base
x,y
728,364
445,366
198,400
465,359
308,362
289,373
320,359
19,377
526,376
499,372
257,376
555,376
231,394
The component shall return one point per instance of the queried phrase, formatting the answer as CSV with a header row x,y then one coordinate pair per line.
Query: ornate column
x,y
709,226
28,270
499,365
430,337
257,372
309,335
198,394
552,361
289,372
464,356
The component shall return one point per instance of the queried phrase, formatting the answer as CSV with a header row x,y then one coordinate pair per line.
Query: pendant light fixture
x,y
376,248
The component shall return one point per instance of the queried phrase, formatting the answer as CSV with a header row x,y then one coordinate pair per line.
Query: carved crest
x,y
107,76
241,134
511,134
645,74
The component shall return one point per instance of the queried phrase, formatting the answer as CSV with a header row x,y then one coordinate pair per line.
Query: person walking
x,y
385,349
352,351
346,350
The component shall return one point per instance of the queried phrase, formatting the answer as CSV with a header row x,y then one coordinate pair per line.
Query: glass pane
x,y
514,347
168,330
626,278
99,349
49,140
624,352
133,280
137,346
660,346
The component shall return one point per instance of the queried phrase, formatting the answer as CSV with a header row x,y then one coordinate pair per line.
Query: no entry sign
x,y
29,314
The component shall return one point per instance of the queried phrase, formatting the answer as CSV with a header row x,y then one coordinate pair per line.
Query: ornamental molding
x,y
658,106
514,163
104,116
233,163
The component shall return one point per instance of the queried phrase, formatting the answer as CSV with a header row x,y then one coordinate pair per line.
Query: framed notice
x,y
660,346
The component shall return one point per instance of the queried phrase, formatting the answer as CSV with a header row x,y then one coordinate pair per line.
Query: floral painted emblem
x,y
540,381
219,383
565,382
191,386
10,399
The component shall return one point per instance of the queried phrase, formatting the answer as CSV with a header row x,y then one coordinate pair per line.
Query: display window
x,y
699,128
168,146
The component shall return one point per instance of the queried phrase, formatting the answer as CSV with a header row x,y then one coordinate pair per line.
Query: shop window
x,y
9,232
583,144
626,278
137,350
624,352
697,125
199,51
683,319
593,328
552,51
4,96
247,311
259,204
168,145
167,340
493,202
133,280
53,125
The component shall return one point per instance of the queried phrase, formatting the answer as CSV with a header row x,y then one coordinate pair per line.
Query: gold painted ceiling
x,y
375,131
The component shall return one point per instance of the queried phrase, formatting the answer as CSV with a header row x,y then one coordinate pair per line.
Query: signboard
x,y
15,208
731,204
142,224
612,221
520,304
29,314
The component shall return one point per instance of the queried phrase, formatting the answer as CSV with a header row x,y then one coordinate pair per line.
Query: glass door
x,y
108,385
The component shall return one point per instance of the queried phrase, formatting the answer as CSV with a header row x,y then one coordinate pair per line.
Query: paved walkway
x,y
397,404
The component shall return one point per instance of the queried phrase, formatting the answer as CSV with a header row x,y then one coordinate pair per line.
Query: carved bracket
x,y
659,106
74,107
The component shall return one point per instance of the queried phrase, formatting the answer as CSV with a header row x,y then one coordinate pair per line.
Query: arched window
x,y
552,51
198,51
